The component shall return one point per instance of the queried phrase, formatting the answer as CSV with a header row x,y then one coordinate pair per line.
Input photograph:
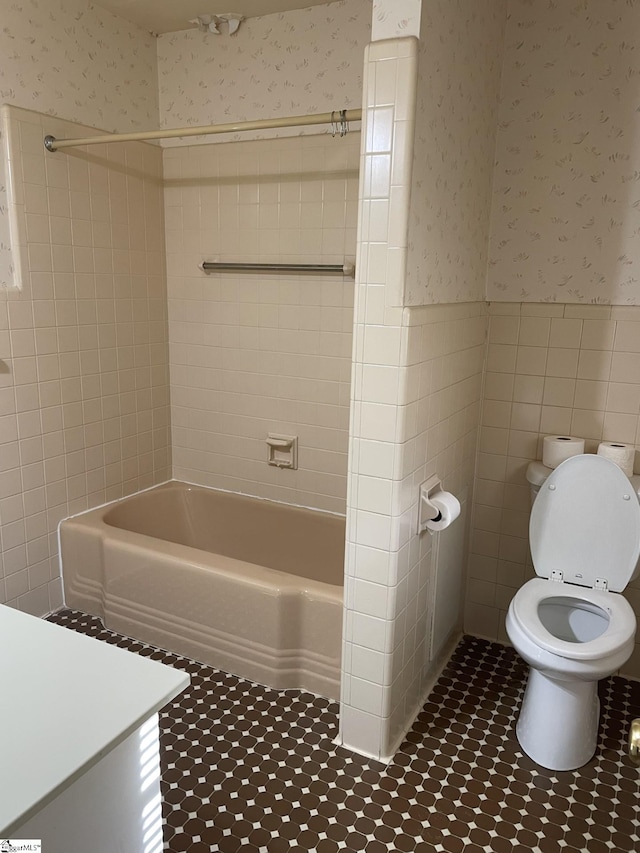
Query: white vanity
x,y
79,739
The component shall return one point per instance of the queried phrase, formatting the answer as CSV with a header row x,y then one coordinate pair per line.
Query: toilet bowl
x,y
570,624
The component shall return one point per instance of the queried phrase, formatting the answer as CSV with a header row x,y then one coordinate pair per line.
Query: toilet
x,y
570,624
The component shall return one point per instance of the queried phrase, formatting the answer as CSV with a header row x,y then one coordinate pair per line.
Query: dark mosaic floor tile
x,y
246,768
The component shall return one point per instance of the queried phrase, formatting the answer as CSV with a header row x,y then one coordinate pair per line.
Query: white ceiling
x,y
165,16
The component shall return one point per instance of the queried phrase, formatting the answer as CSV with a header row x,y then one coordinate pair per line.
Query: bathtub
x,y
246,585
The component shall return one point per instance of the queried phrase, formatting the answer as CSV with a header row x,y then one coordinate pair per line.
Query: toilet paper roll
x,y
449,508
557,448
622,454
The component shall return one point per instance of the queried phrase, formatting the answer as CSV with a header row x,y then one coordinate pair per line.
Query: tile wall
x,y
378,524
551,369
255,353
395,577
442,372
84,376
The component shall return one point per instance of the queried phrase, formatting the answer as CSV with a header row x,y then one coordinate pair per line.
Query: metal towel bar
x,y
346,269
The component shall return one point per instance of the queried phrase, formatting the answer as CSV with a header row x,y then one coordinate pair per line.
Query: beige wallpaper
x,y
257,353
458,87
304,61
84,403
74,60
565,205
395,19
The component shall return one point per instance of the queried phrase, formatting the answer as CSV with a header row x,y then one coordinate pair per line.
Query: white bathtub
x,y
248,586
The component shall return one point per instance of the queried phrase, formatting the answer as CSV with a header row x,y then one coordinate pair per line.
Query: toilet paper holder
x,y
426,510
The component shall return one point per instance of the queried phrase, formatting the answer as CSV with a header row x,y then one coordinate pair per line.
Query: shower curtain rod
x,y
338,119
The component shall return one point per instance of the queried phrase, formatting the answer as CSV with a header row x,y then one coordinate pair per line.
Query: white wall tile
x,y
268,353
369,632
360,730
63,381
371,564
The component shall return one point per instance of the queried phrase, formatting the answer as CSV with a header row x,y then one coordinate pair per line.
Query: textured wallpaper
x,y
566,208
293,63
395,19
77,61
73,60
458,88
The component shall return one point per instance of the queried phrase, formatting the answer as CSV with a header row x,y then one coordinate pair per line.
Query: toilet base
x,y
558,722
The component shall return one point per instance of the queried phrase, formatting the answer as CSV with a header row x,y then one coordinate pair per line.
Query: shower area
x,y
233,373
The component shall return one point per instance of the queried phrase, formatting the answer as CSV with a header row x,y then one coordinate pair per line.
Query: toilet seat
x,y
585,525
621,627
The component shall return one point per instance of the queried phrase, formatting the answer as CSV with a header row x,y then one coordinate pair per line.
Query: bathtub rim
x,y
116,501
200,486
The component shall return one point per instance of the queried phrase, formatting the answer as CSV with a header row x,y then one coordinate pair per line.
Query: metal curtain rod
x,y
338,119
341,269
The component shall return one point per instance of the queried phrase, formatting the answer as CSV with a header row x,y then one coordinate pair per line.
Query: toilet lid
x,y
585,523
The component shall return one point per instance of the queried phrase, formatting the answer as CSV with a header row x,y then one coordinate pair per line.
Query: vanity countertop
x,y
66,700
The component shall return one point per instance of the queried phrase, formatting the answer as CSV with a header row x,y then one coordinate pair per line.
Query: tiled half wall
x,y
416,420
84,378
258,353
551,369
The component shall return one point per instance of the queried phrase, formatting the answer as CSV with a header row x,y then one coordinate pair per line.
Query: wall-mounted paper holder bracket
x,y
282,450
426,510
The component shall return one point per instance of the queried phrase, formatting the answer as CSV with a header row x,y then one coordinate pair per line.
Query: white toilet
x,y
569,623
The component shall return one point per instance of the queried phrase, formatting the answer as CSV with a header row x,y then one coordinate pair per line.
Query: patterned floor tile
x,y
246,768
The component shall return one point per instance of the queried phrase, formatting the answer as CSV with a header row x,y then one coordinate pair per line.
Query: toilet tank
x,y
537,473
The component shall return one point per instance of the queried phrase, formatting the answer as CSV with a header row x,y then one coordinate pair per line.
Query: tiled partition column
x,y
403,426
551,369
376,527
379,398
84,377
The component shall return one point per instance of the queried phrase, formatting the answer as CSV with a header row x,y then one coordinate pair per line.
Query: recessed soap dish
x,y
282,450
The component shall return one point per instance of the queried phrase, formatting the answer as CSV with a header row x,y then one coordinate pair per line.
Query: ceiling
x,y
165,16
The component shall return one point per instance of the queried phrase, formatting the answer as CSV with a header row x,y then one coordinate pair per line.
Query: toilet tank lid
x,y
537,473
